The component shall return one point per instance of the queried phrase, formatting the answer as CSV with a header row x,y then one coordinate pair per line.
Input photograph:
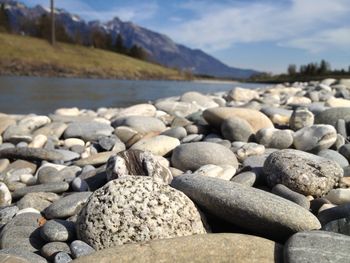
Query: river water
x,y
23,95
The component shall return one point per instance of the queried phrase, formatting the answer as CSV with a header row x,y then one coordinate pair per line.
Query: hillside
x,y
21,55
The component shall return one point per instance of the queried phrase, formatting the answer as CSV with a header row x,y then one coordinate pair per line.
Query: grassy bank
x,y
21,55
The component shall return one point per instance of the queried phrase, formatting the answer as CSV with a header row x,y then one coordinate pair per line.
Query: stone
x,y
337,102
31,154
57,188
340,126
301,118
158,145
177,108
198,248
25,256
335,156
247,207
339,196
192,138
38,200
315,138
5,122
247,178
155,209
330,116
5,195
79,185
334,213
146,110
28,210
68,111
135,162
73,141
140,124
256,119
7,213
194,155
285,192
48,174
317,247
8,258
176,132
50,250
278,116
38,141
298,100
194,97
62,257
248,150
275,138
80,249
243,95
95,159
236,129
53,130
58,230
107,142
67,206
341,226
28,179
302,172
345,151
4,164
225,172
87,131
68,155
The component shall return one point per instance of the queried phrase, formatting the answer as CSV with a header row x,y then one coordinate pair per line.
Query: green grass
x,y
22,55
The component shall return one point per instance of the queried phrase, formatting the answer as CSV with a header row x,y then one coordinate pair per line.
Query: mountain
x,y
160,48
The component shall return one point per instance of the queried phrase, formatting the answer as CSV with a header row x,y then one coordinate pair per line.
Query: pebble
x,y
285,192
203,101
236,129
31,154
332,115
4,164
301,118
176,132
247,178
140,124
225,172
335,156
50,250
7,213
334,213
341,226
37,200
5,195
79,185
57,188
177,108
158,145
275,138
339,196
80,249
243,95
242,206
73,142
62,257
192,138
58,230
248,150
87,131
25,256
38,141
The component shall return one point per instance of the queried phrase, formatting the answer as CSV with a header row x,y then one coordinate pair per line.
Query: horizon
x,y
241,40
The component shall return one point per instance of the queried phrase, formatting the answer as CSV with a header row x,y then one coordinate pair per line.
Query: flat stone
x,y
339,196
225,172
330,116
31,154
199,99
38,200
95,159
140,124
256,119
247,207
275,138
48,174
87,131
247,178
80,249
27,256
67,206
57,188
236,129
176,132
194,155
285,192
7,213
135,162
58,230
334,156
158,145
155,209
302,172
317,247
50,250
198,248
5,195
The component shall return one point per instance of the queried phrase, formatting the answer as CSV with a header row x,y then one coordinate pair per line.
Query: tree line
x,y
315,69
41,28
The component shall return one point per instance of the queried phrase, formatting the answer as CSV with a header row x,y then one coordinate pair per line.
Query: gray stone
x,y
88,131
107,142
141,124
135,162
332,115
176,132
50,250
341,226
315,138
334,156
177,108
339,196
301,118
12,259
95,159
199,99
236,129
68,155
247,178
32,154
62,257
67,206
302,172
54,129
79,185
275,138
340,126
194,155
345,151
334,213
247,207
38,201
7,213
58,230
80,249
317,247
192,138
249,149
155,209
5,195
285,192
23,254
48,174
58,187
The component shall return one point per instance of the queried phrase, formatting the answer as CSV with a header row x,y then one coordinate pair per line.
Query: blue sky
x,y
260,34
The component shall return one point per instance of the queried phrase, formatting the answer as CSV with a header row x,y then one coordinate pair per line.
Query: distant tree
x,y
119,45
98,38
44,30
137,52
292,69
349,69
324,67
4,19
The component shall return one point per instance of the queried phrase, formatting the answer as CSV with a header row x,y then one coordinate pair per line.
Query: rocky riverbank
x,y
244,176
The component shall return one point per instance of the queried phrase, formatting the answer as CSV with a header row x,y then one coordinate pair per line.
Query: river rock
x,y
11,258
274,217
285,192
7,213
67,206
194,155
87,131
248,149
26,153
4,164
5,195
140,124
225,172
38,200
339,196
95,159
236,129
337,102
158,145
50,250
80,249
330,116
256,119
341,226
135,162
5,122
275,138
315,137
177,108
58,187
176,132
155,210
62,257
58,230
247,178
146,110
23,255
243,95
198,248
335,156
278,116
53,130
317,247
73,141
38,141
195,97
301,118
302,172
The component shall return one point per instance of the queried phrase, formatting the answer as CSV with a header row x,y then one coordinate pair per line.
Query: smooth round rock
x,y
285,192
158,145
140,124
5,195
39,200
156,211
62,257
256,119
275,138
23,254
79,185
339,196
138,110
341,226
243,95
48,174
135,162
87,131
70,142
302,172
176,132
317,247
80,249
7,213
301,118
249,149
199,99
58,187
330,116
273,217
225,172
245,178
335,156
58,230
194,155
177,108
198,248
236,129
50,250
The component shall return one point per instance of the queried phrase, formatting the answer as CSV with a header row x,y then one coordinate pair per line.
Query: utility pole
x,y
53,33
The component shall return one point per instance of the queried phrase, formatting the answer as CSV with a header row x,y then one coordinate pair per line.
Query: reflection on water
x,y
44,95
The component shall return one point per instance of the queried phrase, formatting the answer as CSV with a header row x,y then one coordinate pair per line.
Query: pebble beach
x,y
248,175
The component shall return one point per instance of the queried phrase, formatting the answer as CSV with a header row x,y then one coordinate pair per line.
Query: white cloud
x,y
297,23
